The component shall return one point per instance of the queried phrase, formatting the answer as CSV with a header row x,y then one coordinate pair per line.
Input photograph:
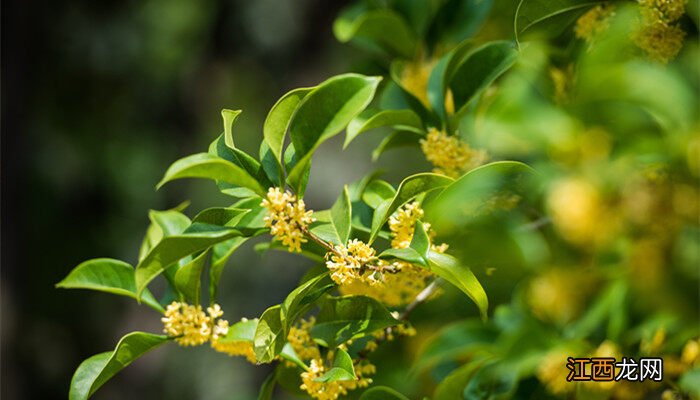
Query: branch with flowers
x,y
383,250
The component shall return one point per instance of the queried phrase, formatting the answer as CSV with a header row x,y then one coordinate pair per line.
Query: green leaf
x,y
690,382
341,217
271,165
188,278
270,335
172,248
479,69
107,275
376,192
268,387
383,28
468,195
456,341
229,117
241,159
382,393
373,118
208,166
221,216
221,252
242,331
411,187
451,270
289,354
442,73
343,361
533,12
349,317
279,117
420,242
301,298
98,369
323,113
409,255
396,96
335,374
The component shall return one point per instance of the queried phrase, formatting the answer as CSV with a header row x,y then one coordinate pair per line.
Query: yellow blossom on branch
x,y
299,338
659,35
335,389
594,22
449,154
191,326
287,218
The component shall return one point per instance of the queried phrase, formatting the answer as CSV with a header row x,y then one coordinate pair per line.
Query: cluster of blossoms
x,y
406,280
287,218
660,36
594,22
356,262
235,348
299,338
449,154
191,326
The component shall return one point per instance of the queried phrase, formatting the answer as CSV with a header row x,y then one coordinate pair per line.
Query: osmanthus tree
x,y
568,248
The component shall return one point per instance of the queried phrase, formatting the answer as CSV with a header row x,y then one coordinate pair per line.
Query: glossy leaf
x,y
242,331
323,113
188,278
172,248
373,118
451,270
221,216
229,117
411,187
98,369
341,217
533,12
208,166
460,19
341,370
382,393
279,117
301,298
349,317
289,354
376,192
480,69
452,387
270,335
420,242
107,275
409,255
382,28
271,165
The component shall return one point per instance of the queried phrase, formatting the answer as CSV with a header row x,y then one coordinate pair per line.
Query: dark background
x,y
98,98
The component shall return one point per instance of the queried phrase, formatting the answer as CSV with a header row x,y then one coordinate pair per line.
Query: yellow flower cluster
x,y
552,372
287,218
191,326
577,211
558,295
449,154
236,348
355,262
659,35
333,390
406,280
594,22
414,78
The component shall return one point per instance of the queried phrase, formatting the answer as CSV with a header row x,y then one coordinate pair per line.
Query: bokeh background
x,y
98,98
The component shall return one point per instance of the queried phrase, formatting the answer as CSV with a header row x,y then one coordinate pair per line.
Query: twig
x,y
420,298
320,241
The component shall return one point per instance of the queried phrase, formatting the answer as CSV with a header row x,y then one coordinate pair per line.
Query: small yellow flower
x,y
449,154
594,22
287,218
691,352
552,372
414,78
558,295
660,41
658,35
577,210
333,390
350,263
191,326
